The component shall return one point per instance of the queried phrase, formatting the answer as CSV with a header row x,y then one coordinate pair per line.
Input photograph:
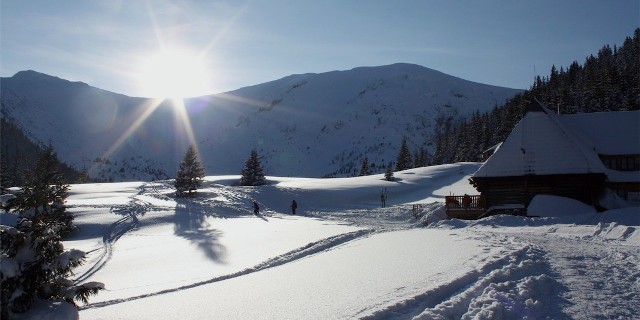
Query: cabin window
x,y
621,162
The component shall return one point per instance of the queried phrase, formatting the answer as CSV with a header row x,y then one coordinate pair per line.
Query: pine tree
x,y
34,262
421,158
83,176
388,175
44,192
39,267
4,173
189,176
252,173
404,160
365,170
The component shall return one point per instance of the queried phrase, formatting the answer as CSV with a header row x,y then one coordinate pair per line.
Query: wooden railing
x,y
465,206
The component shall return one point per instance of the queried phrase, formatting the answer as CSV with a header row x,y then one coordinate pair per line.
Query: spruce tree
x,y
252,173
421,158
404,160
189,176
388,175
365,170
35,265
4,173
44,192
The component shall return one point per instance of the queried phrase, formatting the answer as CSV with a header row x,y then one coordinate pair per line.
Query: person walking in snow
x,y
256,208
294,206
383,199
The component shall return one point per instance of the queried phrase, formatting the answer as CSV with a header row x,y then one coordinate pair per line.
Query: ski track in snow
x,y
116,230
302,252
128,222
535,276
557,278
138,206
593,276
486,292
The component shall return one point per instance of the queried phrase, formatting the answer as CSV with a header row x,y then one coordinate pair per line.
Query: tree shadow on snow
x,y
191,223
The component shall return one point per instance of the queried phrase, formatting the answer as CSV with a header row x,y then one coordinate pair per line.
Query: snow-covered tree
x,y
388,175
35,265
404,160
189,176
44,193
365,170
252,173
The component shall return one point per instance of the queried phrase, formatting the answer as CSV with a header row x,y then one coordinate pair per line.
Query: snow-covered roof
x,y
494,148
611,133
540,144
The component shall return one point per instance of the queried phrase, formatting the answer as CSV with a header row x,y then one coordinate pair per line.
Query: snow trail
x,y
129,221
511,286
593,276
116,230
307,250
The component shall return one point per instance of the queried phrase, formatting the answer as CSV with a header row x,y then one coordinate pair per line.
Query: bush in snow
x,y
252,173
189,176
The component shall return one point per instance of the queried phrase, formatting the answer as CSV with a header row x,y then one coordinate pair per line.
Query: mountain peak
x,y
32,76
312,125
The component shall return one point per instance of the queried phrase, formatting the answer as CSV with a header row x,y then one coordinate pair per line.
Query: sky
x,y
148,48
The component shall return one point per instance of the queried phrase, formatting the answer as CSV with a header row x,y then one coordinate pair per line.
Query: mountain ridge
x,y
311,124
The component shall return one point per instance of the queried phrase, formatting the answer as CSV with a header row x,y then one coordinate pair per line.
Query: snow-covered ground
x,y
342,256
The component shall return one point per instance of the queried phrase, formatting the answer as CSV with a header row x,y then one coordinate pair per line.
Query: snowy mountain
x,y
301,125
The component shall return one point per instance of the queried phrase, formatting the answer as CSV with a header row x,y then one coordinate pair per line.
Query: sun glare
x,y
173,74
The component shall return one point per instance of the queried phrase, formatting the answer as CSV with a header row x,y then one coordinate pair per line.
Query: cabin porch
x,y
468,207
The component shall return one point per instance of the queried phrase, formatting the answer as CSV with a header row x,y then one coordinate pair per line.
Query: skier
x,y
294,205
256,208
383,198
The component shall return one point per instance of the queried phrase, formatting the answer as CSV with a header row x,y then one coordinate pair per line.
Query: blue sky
x,y
241,43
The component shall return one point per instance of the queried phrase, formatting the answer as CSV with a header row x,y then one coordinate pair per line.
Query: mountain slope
x,y
304,125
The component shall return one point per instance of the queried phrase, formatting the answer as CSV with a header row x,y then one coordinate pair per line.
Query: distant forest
x,y
19,154
609,81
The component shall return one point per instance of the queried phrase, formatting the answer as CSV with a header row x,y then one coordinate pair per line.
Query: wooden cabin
x,y
615,137
575,156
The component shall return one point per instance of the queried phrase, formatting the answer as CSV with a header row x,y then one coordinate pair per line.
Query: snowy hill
x,y
302,125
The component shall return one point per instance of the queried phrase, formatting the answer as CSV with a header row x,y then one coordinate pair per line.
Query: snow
x,y
331,120
51,311
623,130
554,206
541,144
342,256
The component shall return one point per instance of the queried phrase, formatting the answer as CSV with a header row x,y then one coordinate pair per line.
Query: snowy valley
x,y
344,257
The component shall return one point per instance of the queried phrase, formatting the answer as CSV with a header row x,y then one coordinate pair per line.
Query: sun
x,y
173,73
